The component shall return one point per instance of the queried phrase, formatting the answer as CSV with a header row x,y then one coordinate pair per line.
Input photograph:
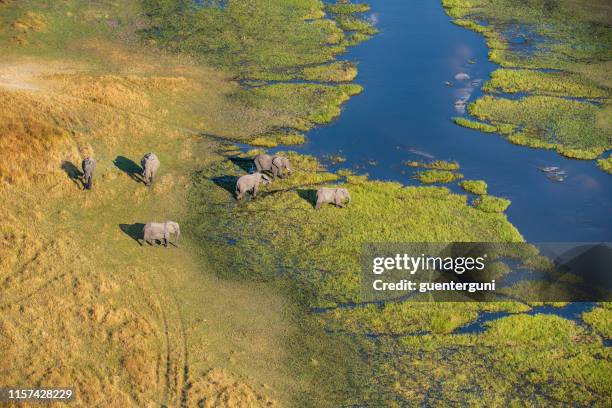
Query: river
x,y
404,114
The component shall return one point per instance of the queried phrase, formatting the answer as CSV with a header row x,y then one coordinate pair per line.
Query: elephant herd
x,y
277,165
152,231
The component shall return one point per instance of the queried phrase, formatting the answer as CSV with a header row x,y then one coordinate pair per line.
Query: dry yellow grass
x,y
81,303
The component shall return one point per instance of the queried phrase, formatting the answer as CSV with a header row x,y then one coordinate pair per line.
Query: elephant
x,y
275,164
150,165
332,195
162,231
250,182
88,165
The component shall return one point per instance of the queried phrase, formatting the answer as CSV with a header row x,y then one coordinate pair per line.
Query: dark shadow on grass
x,y
73,173
245,164
226,182
134,231
129,167
309,195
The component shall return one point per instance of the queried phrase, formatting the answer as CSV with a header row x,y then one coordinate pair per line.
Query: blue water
x,y
404,114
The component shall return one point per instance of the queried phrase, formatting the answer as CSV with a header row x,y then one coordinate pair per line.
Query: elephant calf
x,y
327,195
88,165
162,231
150,165
250,182
275,164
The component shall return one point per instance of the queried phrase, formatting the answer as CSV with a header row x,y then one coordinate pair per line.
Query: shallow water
x,y
404,114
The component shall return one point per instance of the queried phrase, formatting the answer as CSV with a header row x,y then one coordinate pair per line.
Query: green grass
x,y
437,176
566,124
599,319
541,83
339,71
278,138
347,8
298,106
490,204
518,349
483,127
313,244
478,187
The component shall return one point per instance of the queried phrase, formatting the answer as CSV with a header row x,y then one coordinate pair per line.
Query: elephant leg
x,y
255,192
339,202
257,166
274,172
318,205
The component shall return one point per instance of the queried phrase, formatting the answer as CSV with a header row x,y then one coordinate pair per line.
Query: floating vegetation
x,y
605,164
333,159
478,187
438,164
472,124
491,204
437,176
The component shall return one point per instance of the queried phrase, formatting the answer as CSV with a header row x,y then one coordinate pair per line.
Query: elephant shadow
x,y
129,167
228,183
244,164
134,231
73,173
308,195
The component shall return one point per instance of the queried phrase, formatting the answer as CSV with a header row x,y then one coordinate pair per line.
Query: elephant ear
x,y
278,161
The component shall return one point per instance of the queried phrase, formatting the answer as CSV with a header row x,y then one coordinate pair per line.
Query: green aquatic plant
x,y
349,23
491,204
437,176
478,187
605,164
472,124
543,83
437,164
565,124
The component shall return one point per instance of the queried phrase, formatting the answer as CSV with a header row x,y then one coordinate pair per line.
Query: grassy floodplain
x,y
225,319
555,57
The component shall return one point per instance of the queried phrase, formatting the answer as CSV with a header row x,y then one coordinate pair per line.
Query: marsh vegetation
x,y
554,58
